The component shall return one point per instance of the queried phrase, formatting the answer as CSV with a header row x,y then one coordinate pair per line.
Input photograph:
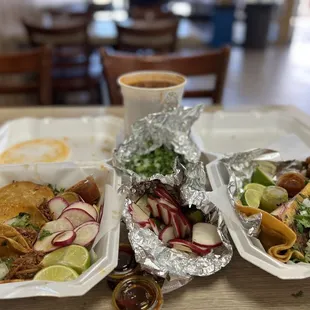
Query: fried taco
x,y
286,235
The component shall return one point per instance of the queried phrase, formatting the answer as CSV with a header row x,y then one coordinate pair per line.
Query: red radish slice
x,y
86,233
85,207
187,246
56,206
138,215
176,224
59,225
185,226
153,204
45,245
167,203
144,224
156,226
162,193
166,234
65,238
143,205
205,234
77,217
164,214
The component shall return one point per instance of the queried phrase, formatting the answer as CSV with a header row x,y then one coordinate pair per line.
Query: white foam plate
x,y
89,138
226,132
107,242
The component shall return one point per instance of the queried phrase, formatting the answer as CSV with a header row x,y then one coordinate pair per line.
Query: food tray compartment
x,y
89,138
106,249
249,248
225,132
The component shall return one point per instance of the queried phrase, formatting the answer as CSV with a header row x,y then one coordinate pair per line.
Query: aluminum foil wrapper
x,y
241,166
160,260
170,128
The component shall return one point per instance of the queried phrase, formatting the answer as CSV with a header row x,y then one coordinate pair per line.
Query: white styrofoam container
x,y
225,132
248,247
107,242
89,138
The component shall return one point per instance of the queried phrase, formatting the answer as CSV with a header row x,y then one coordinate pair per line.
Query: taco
x,y
286,235
11,248
18,196
12,234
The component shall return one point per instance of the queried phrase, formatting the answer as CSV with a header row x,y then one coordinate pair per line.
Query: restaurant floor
x,y
277,75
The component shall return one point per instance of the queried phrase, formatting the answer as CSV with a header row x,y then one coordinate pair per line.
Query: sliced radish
x,y
156,226
77,217
205,234
153,204
86,233
65,238
164,213
166,234
162,193
143,205
144,224
59,225
138,215
45,245
185,226
91,210
176,224
167,203
56,206
187,246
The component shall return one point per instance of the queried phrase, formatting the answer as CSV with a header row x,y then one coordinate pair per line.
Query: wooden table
x,y
238,286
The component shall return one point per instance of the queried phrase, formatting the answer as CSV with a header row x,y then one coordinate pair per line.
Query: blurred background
x,y
58,57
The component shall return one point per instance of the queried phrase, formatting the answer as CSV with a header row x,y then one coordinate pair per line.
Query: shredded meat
x,y
25,266
45,210
29,234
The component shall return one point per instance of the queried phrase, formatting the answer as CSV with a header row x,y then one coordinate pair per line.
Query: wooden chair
x,y
160,37
210,63
149,13
71,55
37,65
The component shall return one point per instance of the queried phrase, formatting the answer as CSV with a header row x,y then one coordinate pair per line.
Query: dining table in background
x,y
240,285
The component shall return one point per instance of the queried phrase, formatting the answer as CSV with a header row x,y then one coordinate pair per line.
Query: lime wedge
x,y
251,198
258,187
56,273
268,167
73,256
261,177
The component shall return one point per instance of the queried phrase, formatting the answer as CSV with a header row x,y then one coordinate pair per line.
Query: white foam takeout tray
x,y
89,138
107,242
228,131
248,247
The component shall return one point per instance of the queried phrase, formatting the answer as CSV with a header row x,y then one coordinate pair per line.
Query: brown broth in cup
x,y
152,84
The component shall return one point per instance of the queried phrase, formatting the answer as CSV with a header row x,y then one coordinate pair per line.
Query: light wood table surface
x,y
238,286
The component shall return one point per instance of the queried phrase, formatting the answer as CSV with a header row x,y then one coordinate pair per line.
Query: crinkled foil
x,y
160,260
171,128
241,166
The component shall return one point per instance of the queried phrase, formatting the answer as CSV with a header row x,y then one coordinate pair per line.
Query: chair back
x,y
208,63
160,37
36,65
68,37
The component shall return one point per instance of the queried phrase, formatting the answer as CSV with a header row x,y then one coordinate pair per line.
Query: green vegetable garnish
x,y
160,161
44,234
298,294
55,190
22,221
8,261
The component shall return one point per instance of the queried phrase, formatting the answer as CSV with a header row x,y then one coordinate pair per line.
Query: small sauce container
x,y
137,293
127,266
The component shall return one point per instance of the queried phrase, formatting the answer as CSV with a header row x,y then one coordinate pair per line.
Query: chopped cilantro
x,y
21,220
8,261
44,234
298,294
55,190
300,228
